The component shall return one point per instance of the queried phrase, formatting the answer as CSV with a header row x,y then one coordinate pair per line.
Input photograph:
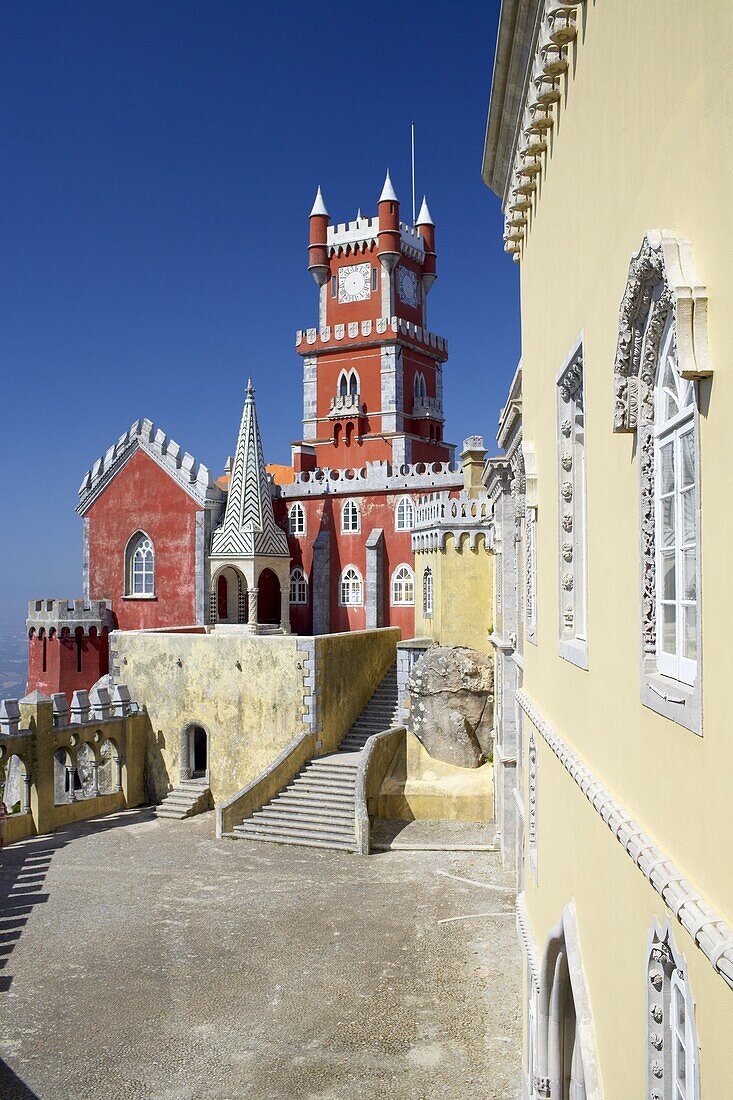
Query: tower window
x,y
375,279
140,566
296,520
334,286
404,515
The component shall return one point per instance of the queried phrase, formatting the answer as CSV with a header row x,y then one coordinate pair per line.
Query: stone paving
x,y
144,960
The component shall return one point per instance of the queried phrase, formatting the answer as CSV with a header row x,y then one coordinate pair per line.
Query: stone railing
x,y
374,477
348,404
376,758
438,515
382,327
427,406
62,762
69,614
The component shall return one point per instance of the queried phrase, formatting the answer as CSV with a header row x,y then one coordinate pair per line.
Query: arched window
x,y
350,587
298,587
403,587
427,593
353,384
140,566
673,1069
350,517
296,520
405,514
675,491
419,388
343,384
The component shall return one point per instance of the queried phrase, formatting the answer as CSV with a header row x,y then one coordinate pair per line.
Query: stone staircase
x,y
317,809
191,797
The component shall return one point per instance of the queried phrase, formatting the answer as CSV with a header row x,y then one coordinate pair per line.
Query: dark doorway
x,y
268,601
199,753
222,598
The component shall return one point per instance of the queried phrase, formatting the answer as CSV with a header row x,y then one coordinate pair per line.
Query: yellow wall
x,y
462,594
419,788
248,693
638,145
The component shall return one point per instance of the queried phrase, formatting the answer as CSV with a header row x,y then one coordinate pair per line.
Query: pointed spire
x,y
423,217
319,206
388,194
249,522
358,214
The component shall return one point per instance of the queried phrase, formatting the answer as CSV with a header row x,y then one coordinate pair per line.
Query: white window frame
x,y
353,527
135,544
428,593
402,587
669,997
297,520
298,587
669,435
405,503
351,587
683,1040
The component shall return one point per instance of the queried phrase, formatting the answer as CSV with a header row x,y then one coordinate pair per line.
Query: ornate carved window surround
x,y
662,289
572,533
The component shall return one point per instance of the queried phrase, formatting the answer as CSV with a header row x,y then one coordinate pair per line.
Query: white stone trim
x,y
524,931
708,929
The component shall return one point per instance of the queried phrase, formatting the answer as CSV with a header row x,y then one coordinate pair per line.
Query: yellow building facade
x,y
606,145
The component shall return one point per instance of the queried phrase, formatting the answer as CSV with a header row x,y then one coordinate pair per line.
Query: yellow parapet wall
x,y
462,594
418,787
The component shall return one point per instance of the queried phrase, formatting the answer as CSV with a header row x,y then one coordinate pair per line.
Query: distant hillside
x,y
13,660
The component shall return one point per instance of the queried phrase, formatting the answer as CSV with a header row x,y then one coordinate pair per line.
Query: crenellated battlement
x,y
310,338
362,234
438,515
193,476
373,477
70,615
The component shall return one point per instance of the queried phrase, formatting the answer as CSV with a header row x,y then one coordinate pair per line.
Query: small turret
x,y
317,247
426,225
388,244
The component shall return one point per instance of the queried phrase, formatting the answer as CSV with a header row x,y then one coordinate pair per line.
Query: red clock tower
x,y
372,370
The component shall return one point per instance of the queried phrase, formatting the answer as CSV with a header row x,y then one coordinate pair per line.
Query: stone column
x,y
70,770
25,795
95,779
252,610
186,768
118,775
285,605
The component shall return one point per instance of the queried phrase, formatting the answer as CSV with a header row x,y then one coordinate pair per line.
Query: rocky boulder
x,y
452,705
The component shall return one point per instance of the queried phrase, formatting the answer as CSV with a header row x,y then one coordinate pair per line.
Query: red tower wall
x,y
58,662
143,497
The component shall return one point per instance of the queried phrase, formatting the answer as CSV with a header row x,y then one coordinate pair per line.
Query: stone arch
x,y
269,598
228,592
195,750
566,1060
662,280
64,776
16,784
110,767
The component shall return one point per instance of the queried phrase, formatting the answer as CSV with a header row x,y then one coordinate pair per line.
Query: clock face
x,y
407,286
355,283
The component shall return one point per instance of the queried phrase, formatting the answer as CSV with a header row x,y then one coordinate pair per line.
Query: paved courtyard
x,y
144,959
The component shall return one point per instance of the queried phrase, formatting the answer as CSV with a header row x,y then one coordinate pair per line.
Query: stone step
x,y
301,842
331,822
307,832
335,786
330,769
336,802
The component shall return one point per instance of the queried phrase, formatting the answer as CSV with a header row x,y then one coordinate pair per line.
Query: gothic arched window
x,y
676,521
350,517
350,587
403,587
296,520
404,514
298,587
140,566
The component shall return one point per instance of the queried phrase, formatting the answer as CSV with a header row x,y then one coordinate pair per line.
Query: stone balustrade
x,y
438,515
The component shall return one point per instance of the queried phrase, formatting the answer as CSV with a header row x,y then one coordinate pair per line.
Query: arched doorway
x,y
268,601
228,597
199,752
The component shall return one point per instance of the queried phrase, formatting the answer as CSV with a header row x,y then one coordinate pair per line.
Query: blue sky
x,y
158,164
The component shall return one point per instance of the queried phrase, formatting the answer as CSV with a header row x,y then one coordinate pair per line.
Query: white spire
x,y
388,194
423,217
319,206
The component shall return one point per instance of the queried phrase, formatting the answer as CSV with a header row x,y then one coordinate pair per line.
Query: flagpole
x,y
413,173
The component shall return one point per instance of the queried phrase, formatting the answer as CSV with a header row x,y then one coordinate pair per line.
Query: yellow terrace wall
x,y
252,694
462,594
637,146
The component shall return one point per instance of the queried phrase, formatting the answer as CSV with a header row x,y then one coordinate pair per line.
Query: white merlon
x,y
440,514
194,477
319,206
373,477
361,231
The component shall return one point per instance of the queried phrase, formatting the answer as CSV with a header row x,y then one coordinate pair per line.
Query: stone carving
x,y
567,521
656,1040
567,582
566,428
452,696
567,551
657,1013
663,260
566,462
648,542
567,491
